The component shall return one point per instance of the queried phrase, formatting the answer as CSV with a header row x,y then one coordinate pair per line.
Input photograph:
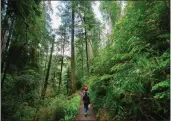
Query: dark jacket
x,y
86,99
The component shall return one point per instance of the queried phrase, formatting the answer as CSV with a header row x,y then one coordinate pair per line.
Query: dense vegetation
x,y
127,70
130,76
34,86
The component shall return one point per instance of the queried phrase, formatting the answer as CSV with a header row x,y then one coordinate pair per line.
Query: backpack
x,y
85,92
86,98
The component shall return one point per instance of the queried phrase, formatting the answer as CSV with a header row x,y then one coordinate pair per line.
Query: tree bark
x,y
72,50
46,62
4,53
90,51
82,59
3,41
5,72
4,31
26,32
62,47
48,70
68,83
86,43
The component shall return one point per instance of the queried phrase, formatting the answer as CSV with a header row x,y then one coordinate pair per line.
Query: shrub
x,y
52,108
72,108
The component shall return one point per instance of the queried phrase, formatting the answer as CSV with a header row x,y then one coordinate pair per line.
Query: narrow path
x,y
81,116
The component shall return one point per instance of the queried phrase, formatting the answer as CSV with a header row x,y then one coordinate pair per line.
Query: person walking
x,y
86,100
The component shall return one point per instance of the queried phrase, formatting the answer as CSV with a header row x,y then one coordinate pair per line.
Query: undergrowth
x,y
72,108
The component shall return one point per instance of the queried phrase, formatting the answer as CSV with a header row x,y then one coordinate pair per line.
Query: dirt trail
x,y
81,116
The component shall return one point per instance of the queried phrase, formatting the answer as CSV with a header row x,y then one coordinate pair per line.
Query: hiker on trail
x,y
85,89
86,101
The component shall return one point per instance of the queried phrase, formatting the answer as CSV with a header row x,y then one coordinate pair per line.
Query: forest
x,y
124,59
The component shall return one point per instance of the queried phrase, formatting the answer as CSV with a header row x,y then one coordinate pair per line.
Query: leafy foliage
x,y
52,109
72,108
130,78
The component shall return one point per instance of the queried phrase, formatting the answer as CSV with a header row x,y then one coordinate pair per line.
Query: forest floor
x,y
80,116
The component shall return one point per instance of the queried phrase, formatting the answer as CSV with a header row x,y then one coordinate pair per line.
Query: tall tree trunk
x,y
46,63
26,32
48,70
4,53
72,51
110,25
86,43
68,85
5,72
86,38
60,78
3,41
10,33
62,47
82,59
4,30
90,51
